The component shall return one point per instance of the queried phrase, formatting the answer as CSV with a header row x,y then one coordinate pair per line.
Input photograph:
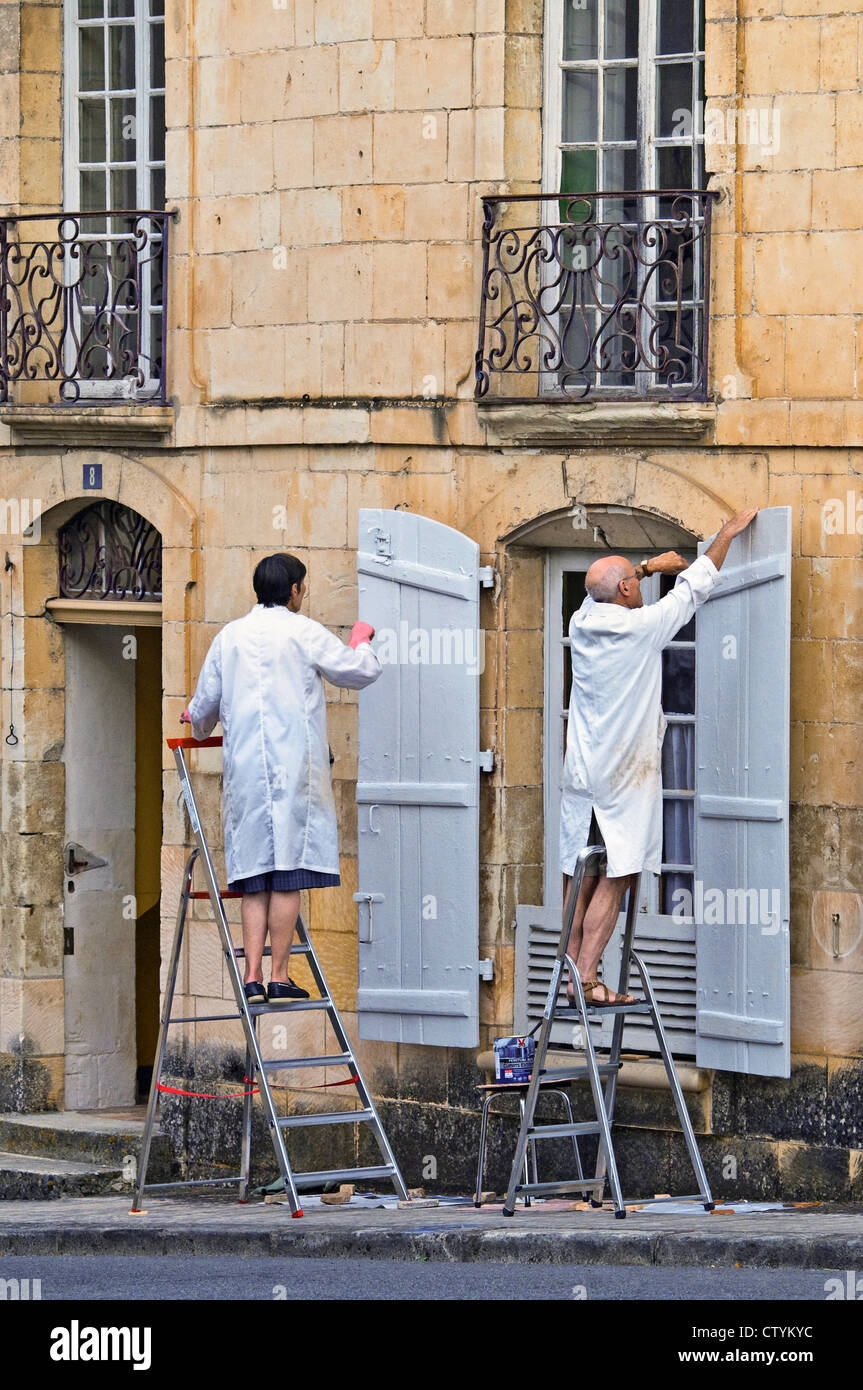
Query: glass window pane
x,y
579,31
90,9
92,191
123,190
620,104
157,189
91,132
678,680
619,172
678,758
677,819
121,9
621,28
157,127
124,143
675,26
579,106
121,40
674,114
157,6
157,55
92,64
578,171
674,167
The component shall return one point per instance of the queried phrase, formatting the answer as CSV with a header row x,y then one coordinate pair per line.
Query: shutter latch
x,y
485,574
486,760
383,549
486,969
368,899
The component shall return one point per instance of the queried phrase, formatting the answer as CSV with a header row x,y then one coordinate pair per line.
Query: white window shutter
x,y
418,784
741,903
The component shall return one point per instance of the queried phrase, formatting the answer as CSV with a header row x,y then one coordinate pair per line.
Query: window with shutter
x,y
741,905
418,783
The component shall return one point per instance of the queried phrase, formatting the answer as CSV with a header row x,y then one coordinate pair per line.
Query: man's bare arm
x,y
672,563
718,548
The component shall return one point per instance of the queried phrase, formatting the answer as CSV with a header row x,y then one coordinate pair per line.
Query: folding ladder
x,y
258,1068
592,860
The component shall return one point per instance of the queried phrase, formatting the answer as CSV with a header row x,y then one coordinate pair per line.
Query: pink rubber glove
x,y
361,632
185,717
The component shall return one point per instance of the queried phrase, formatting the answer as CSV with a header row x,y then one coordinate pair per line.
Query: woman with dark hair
x,y
263,679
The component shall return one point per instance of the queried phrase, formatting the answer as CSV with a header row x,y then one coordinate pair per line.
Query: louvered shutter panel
x,y
418,784
741,806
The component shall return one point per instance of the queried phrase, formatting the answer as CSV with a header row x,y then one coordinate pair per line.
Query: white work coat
x,y
262,679
616,725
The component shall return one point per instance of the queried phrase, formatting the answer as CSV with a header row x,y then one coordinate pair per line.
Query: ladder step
x,y
339,1059
338,1117
301,949
304,1180
563,1131
577,1073
292,1006
579,1184
208,1018
595,1010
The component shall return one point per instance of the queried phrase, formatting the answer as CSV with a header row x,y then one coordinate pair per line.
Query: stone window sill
x,y
75,426
114,613
551,423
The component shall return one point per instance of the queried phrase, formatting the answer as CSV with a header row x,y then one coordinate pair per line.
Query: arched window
x,y
107,551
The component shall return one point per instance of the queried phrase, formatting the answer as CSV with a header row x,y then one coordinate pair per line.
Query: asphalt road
x,y
132,1277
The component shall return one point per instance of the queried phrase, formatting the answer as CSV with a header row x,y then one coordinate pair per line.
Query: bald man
x,y
615,730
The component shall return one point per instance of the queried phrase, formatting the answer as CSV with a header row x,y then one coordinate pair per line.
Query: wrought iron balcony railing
x,y
82,298
595,296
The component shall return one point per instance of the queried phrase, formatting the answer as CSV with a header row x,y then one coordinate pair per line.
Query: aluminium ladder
x,y
258,1067
593,859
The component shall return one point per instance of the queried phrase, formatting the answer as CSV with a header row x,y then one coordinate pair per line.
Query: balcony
x,y
595,297
82,298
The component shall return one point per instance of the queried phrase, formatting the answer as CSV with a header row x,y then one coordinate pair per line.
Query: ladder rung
x,y
577,1073
204,893
298,950
192,1182
209,1018
293,1005
580,1185
563,1131
340,1174
597,1010
280,1064
338,1117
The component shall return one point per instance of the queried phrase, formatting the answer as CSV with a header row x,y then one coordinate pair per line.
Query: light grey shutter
x,y
418,784
741,806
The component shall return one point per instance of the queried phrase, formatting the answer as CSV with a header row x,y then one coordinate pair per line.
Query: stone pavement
x,y
818,1237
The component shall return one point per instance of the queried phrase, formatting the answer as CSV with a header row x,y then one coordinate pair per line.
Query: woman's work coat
x,y
616,726
262,679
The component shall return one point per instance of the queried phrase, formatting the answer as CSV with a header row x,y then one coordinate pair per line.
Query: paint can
x,y
513,1058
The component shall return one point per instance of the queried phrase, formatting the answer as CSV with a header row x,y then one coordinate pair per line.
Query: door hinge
x,y
486,969
486,574
486,760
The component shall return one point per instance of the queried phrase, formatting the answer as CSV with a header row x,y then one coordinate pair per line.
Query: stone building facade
x,y
324,168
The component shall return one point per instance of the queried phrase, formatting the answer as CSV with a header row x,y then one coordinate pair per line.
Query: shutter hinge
x,y
383,548
486,574
486,969
486,760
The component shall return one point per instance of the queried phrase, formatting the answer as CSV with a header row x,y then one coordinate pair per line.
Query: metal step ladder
x,y
259,1068
593,860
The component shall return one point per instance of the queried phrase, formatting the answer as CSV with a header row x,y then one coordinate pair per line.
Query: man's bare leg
x,y
284,909
600,918
588,887
254,909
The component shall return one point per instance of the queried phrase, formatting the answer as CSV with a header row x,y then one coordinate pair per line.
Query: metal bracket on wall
x,y
486,760
486,969
486,574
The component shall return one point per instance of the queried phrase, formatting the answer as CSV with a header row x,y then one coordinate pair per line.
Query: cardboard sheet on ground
x,y
696,1209
370,1201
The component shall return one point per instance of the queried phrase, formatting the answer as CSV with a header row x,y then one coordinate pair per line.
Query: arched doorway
x,y
109,604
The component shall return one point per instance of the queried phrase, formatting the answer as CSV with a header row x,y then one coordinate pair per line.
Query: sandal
x,y
611,999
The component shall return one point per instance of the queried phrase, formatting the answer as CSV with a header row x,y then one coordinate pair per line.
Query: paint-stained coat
x,y
616,725
262,678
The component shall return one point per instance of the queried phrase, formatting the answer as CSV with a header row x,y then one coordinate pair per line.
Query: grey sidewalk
x,y
809,1238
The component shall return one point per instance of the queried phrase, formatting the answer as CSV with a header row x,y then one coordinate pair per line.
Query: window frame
x,y
142,21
